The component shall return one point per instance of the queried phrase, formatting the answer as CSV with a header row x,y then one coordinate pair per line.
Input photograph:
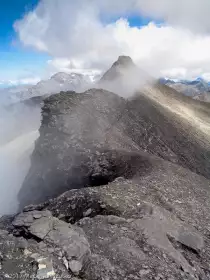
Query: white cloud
x,y
74,34
22,81
29,81
69,66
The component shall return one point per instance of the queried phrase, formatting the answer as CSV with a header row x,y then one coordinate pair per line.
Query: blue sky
x,y
10,11
16,61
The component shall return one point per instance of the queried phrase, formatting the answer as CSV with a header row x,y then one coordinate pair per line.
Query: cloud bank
x,y
83,35
23,81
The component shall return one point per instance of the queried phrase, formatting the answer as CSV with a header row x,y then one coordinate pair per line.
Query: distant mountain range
x,y
58,82
197,89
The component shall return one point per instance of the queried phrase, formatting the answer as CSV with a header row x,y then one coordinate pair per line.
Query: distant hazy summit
x,y
58,82
197,89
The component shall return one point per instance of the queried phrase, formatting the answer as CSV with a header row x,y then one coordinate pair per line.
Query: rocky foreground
x,y
153,227
118,189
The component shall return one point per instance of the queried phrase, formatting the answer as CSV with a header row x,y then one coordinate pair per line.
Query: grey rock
x,y
65,262
87,213
24,219
144,272
22,243
41,227
50,250
37,216
191,240
42,245
126,248
75,267
114,220
68,238
27,218
3,232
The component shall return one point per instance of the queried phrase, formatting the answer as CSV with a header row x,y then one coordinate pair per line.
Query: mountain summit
x,y
123,63
124,77
124,60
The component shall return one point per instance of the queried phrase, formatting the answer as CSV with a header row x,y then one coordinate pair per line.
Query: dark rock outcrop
x,y
91,138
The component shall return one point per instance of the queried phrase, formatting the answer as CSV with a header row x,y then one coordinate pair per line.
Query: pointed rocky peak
x,y
124,61
122,64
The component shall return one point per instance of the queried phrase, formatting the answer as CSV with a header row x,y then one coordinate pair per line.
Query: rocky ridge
x,y
118,189
78,148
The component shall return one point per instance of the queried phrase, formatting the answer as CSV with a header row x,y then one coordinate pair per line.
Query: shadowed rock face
x,y
78,129
91,138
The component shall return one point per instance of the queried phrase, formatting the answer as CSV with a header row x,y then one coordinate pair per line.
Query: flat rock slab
x,y
68,238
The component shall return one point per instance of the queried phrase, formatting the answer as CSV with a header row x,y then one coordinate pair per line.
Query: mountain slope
x,y
131,205
80,131
174,127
